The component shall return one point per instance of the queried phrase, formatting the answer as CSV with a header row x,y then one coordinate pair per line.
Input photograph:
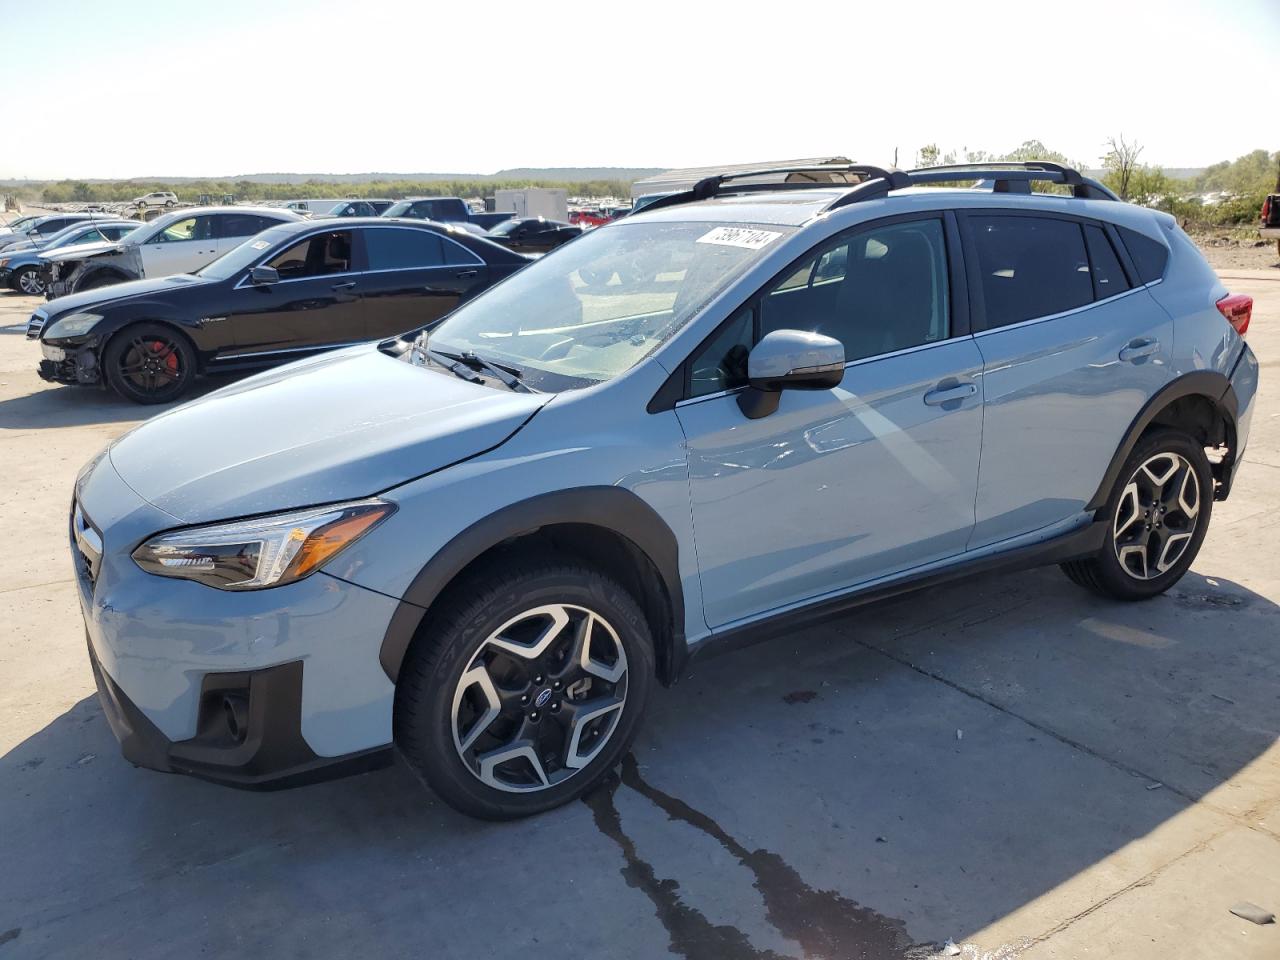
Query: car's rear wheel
x,y
1158,515
149,363
525,690
29,281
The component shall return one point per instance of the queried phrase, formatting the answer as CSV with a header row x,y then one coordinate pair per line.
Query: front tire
x,y
1158,514
526,688
149,363
29,281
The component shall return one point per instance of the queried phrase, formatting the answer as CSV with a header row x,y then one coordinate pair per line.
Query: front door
x,y
1071,351
182,247
314,304
838,487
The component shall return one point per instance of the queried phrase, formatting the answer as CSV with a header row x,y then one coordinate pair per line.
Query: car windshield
x,y
594,308
398,208
505,227
338,208
244,255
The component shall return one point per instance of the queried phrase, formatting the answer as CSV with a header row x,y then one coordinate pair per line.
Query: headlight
x,y
266,552
4,261
72,325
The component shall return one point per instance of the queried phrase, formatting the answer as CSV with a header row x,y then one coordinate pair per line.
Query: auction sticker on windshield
x,y
740,237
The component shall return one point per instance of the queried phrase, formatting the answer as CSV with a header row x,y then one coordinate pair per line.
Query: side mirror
x,y
789,360
264,276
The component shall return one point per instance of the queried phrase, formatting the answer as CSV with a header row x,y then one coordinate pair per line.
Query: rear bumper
x,y
1270,233
1240,397
249,733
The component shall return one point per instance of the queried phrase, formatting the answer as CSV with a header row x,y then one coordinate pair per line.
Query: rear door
x,y
415,276
838,487
313,305
184,246
1071,350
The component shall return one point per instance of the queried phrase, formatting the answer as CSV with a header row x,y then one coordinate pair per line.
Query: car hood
x,y
23,246
81,251
117,292
340,426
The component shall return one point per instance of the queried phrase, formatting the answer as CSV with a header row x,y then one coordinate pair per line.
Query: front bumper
x,y
75,365
259,689
249,735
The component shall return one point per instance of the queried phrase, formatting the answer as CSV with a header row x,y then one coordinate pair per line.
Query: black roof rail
x,y
1015,176
721,184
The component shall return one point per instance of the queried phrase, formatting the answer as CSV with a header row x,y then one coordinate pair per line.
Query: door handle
x,y
1137,349
344,286
468,274
952,392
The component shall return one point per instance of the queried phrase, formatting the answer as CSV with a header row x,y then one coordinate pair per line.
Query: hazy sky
x,y
130,89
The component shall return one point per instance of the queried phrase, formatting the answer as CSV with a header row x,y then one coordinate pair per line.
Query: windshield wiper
x,y
510,376
421,353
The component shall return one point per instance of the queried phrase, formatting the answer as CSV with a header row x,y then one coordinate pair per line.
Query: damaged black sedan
x,y
293,290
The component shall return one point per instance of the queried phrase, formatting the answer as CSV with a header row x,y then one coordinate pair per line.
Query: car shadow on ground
x,y
869,787
56,405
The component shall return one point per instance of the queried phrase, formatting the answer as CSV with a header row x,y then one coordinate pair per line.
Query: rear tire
x,y
501,672
149,363
1157,517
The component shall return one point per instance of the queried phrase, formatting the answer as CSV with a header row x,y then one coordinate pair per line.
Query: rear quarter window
x,y
1150,257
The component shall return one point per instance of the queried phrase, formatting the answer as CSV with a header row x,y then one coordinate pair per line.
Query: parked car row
x,y
299,287
22,267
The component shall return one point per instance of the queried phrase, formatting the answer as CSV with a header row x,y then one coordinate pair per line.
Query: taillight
x,y
1266,211
1238,309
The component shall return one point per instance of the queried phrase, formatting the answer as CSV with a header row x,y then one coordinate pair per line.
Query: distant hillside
x,y
552,174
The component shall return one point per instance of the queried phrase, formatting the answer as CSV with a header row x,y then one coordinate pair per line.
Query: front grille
x,y
36,324
86,544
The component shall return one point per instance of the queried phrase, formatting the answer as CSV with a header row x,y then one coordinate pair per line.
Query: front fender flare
x,y
613,509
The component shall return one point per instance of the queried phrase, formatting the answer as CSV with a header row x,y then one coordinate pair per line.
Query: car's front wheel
x,y
1158,515
525,689
29,281
149,363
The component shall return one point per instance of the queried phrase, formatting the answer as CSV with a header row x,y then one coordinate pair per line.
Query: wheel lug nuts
x,y
534,716
538,678
555,706
557,685
524,699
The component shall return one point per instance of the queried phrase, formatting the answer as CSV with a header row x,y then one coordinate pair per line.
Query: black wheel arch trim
x,y
1210,384
612,509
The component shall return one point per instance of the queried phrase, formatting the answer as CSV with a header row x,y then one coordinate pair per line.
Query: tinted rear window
x,y
392,249
1149,256
1030,267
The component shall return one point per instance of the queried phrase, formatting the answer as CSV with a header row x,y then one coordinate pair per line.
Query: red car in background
x,y
588,217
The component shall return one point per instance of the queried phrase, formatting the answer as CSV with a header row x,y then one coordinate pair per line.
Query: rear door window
x,y
1029,267
242,224
400,249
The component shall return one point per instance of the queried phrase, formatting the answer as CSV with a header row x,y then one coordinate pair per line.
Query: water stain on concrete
x,y
800,696
824,923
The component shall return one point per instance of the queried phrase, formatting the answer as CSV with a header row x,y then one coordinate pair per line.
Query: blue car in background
x,y
21,268
755,404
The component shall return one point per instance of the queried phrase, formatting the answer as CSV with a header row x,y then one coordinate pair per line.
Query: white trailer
x,y
549,202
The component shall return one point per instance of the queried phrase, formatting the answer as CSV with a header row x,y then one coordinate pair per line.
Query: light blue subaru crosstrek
x,y
761,402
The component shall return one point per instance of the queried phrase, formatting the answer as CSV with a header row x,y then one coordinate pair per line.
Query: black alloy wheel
x,y
149,363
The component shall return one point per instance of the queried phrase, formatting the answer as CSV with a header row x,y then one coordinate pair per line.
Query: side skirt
x,y
1076,544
